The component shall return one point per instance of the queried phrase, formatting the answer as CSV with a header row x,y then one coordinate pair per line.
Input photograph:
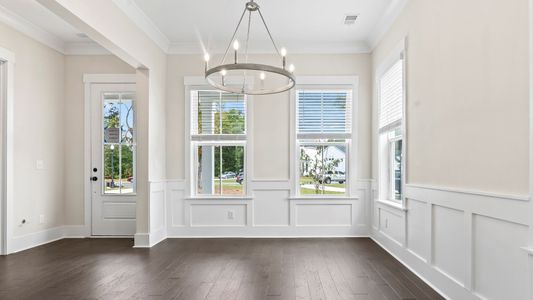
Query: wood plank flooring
x,y
209,269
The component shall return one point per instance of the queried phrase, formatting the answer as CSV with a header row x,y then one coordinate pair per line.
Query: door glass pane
x,y
323,169
119,148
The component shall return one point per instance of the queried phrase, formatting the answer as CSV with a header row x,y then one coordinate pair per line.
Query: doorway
x,y
113,159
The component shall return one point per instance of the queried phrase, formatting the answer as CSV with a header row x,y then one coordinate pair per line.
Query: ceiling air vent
x,y
350,19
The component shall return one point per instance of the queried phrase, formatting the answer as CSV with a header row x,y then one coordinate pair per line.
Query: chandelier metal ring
x,y
249,67
242,68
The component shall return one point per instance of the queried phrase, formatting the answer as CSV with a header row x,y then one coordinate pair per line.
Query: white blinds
x,y
391,95
217,113
324,111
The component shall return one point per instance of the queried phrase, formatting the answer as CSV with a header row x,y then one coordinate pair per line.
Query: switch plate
x,y
39,164
41,219
231,214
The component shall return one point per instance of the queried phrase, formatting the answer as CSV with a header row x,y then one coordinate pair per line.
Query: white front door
x,y
113,157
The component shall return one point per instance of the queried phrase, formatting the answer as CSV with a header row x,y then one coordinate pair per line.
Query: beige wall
x,y
38,133
75,68
271,113
467,93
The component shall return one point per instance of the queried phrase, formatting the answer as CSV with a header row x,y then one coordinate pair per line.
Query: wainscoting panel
x,y
500,266
268,212
467,245
417,228
449,255
323,214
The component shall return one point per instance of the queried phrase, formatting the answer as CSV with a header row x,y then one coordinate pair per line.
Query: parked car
x,y
228,175
333,176
240,178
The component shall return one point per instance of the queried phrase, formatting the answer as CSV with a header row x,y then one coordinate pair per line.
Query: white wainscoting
x,y
268,212
467,245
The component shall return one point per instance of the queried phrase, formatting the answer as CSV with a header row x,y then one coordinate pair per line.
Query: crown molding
x,y
299,48
142,21
385,22
26,27
85,48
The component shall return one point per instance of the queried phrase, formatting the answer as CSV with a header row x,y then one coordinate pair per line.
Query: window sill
x,y
311,198
395,205
214,198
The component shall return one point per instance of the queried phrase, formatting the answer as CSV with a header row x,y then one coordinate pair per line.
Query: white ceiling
x,y
302,25
191,26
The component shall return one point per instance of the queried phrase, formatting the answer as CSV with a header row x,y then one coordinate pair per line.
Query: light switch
x,y
39,164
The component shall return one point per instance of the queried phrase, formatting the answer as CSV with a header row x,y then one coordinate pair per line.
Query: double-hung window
x,y
391,131
218,143
323,139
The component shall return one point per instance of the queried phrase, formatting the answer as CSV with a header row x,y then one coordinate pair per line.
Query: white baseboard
x,y
148,240
27,241
76,231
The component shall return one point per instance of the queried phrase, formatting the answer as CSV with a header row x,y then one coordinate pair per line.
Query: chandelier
x,y
283,77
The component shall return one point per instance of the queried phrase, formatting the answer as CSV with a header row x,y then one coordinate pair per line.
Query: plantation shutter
x,y
391,97
216,113
324,113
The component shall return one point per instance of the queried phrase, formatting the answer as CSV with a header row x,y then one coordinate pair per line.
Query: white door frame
x,y
7,89
89,80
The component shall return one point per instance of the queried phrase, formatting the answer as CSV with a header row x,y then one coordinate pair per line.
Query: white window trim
x,y
325,82
199,83
400,51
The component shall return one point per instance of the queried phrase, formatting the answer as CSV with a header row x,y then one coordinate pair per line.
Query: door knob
x,y
94,178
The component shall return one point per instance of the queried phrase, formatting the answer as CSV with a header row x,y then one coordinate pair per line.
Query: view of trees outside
x,y
119,144
221,113
322,170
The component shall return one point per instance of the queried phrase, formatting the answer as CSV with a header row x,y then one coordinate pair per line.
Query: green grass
x,y
313,192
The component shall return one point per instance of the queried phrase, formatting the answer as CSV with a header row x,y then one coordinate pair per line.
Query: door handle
x,y
94,178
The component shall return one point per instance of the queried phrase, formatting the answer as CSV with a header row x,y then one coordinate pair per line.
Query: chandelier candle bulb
x,y
291,68
262,76
236,48
206,58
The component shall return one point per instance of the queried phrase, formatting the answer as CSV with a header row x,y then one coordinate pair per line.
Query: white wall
x,y
75,67
466,210
38,133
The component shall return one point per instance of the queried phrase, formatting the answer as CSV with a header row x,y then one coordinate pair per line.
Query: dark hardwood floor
x,y
209,269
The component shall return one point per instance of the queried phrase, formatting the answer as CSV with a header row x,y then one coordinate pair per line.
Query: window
x,y
218,136
391,135
119,146
323,138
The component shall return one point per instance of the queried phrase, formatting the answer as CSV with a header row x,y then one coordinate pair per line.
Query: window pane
x,y
217,112
220,170
111,169
111,121
233,114
127,163
232,178
127,115
397,169
324,111
323,169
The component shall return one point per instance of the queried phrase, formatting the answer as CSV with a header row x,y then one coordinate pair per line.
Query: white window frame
x,y
384,168
192,83
325,83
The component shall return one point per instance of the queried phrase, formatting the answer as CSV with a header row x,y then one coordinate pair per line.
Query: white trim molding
x,y
385,23
142,21
7,88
